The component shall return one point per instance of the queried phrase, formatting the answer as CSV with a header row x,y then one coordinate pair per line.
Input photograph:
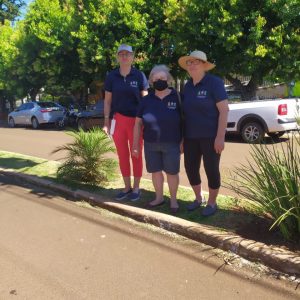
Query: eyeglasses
x,y
194,62
125,54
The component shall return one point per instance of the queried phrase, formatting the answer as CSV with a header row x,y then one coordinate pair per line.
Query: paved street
x,y
51,248
40,143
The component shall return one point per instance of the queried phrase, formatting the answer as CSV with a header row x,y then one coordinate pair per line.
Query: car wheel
x,y
276,135
82,124
35,123
11,122
252,132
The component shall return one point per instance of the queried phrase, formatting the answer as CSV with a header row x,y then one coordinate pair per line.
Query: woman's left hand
x,y
219,144
135,152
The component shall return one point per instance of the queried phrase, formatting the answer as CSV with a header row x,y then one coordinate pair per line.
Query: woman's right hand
x,y
107,108
106,126
106,129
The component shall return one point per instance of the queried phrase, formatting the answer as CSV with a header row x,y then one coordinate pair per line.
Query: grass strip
x,y
233,213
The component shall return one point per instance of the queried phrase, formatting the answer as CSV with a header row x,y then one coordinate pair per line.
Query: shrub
x,y
86,159
272,183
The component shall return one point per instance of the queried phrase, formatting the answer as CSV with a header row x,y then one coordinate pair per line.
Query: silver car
x,y
35,114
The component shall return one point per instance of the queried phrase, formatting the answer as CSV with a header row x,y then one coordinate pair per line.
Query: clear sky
x,y
24,8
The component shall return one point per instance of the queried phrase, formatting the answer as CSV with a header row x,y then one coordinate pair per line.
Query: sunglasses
x,y
125,54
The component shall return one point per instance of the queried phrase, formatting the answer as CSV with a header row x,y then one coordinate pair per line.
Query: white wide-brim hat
x,y
197,55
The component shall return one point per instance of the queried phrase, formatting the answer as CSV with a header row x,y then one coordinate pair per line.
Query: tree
x,y
64,45
8,52
10,9
50,57
47,57
252,38
106,24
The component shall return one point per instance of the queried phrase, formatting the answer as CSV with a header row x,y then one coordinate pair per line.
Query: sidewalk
x,y
276,258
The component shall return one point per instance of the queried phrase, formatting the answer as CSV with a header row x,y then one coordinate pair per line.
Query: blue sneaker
x,y
195,204
123,195
209,210
135,196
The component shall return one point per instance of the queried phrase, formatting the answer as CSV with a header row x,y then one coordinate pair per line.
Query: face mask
x,y
160,85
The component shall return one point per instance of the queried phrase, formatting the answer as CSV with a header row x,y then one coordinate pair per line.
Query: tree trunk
x,y
33,93
83,97
12,102
2,102
248,92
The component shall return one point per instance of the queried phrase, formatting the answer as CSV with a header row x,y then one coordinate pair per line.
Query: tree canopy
x,y
65,45
256,38
10,9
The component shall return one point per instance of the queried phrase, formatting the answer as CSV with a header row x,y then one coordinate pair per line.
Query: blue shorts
x,y
162,157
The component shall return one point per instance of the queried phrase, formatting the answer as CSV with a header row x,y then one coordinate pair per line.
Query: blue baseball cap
x,y
124,47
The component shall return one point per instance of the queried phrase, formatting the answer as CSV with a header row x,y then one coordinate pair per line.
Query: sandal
x,y
150,206
174,210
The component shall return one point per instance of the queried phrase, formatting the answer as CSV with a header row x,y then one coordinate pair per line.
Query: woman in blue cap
x,y
124,88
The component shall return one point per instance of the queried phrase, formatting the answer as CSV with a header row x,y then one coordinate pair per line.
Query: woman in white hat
x,y
205,108
124,88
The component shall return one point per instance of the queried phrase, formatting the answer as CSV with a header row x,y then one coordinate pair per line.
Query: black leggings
x,y
194,149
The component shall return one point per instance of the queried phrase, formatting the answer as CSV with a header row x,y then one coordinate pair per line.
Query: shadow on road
x,y
238,220
237,139
16,163
198,253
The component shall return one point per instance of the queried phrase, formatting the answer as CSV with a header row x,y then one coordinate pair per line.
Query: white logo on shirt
x,y
202,94
134,84
172,105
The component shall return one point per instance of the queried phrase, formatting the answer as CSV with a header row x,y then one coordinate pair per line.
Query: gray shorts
x,y
162,157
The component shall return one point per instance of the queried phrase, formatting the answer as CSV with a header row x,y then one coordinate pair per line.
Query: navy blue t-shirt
x,y
199,106
161,118
126,91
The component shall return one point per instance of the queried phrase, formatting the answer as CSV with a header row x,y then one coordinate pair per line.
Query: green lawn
x,y
232,211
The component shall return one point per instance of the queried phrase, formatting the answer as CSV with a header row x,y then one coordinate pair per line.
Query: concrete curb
x,y
276,258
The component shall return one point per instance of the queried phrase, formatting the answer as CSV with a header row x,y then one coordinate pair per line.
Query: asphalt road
x,y
42,142
51,248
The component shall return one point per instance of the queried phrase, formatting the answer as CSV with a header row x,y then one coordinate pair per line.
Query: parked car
x,y
253,119
35,114
94,116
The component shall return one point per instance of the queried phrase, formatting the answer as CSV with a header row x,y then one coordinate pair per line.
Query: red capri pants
x,y
123,138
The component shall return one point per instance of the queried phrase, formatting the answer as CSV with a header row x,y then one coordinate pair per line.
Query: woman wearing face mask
x,y
124,88
160,117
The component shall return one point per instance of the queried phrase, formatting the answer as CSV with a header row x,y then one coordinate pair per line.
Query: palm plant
x,y
86,159
272,183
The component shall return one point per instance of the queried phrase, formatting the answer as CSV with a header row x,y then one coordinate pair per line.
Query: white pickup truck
x,y
253,119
